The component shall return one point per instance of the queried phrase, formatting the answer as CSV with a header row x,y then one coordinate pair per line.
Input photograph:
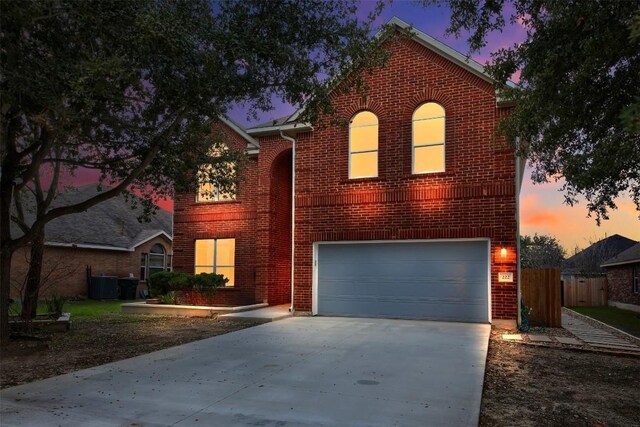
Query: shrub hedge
x,y
163,282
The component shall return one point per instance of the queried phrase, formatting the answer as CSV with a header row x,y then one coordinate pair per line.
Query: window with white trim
x,y
216,256
427,151
154,261
211,192
363,145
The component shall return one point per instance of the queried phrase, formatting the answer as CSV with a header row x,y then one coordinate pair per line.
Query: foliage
x,y
162,283
132,90
577,110
168,298
540,252
55,305
525,312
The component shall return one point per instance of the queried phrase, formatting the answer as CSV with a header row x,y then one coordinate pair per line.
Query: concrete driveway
x,y
299,371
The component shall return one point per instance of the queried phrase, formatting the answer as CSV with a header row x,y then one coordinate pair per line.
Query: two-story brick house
x,y
410,211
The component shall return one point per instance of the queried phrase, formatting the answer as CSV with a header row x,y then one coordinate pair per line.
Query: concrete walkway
x,y
595,337
300,371
267,314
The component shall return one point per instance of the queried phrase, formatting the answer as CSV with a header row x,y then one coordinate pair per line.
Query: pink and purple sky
x,y
542,208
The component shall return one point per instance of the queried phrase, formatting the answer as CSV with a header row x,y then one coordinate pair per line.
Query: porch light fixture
x,y
503,252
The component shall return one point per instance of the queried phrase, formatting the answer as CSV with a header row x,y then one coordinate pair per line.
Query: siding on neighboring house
x,y
620,280
64,268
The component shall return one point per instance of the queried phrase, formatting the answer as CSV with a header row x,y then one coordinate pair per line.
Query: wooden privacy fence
x,y
585,291
541,292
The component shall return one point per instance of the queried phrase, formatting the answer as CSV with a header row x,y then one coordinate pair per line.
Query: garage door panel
x,y
435,280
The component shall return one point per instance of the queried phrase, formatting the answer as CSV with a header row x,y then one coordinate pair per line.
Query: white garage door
x,y
411,280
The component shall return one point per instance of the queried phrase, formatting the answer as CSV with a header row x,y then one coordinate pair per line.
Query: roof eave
x,y
613,264
252,142
275,130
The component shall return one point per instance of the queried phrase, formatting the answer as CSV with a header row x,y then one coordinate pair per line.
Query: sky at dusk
x,y
542,208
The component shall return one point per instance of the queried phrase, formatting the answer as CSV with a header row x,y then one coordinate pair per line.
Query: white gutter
x,y
293,214
519,175
279,129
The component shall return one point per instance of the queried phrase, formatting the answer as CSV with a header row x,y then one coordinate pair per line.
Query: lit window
x,y
209,192
216,256
428,138
363,145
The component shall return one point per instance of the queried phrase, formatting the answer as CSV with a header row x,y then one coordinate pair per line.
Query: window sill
x,y
218,202
362,180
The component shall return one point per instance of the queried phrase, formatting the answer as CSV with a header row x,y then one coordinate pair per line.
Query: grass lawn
x,y
88,309
625,320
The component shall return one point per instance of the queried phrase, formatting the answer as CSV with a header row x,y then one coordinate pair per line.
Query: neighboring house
x,y
587,263
410,211
623,275
108,239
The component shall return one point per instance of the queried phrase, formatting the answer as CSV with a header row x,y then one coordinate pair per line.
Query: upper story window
x,y
428,138
363,145
209,191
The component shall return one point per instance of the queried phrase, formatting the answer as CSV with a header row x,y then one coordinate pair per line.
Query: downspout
x,y
519,175
293,213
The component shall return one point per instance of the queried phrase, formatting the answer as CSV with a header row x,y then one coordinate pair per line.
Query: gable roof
x,y
630,256
112,224
252,143
288,123
593,256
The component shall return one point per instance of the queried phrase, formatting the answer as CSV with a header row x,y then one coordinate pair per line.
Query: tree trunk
x,y
32,285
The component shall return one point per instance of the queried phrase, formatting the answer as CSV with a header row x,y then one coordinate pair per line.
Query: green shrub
x,y
169,298
55,305
162,283
207,281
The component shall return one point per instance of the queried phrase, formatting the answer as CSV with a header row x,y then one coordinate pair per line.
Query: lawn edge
x,y
605,324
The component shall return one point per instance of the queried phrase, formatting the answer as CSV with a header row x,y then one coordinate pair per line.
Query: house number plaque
x,y
505,277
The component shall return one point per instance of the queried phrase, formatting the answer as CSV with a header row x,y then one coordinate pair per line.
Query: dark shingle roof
x,y
631,255
590,259
112,223
274,122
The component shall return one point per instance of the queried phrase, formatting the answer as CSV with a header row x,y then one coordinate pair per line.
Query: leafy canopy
x,y
577,110
540,251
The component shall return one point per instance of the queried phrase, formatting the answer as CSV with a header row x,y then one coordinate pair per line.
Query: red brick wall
x,y
64,269
249,219
473,198
621,285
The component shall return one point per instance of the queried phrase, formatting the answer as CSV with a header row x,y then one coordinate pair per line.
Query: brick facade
x,y
64,269
474,198
620,281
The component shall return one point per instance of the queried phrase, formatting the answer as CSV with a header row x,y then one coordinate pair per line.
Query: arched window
x,y
363,145
156,259
428,138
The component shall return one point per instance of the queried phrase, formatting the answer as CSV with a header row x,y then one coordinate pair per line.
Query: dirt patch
x,y
92,342
553,386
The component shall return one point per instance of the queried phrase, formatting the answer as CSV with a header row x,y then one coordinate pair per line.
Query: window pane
x,y
157,249
206,192
225,254
227,272
430,109
225,195
364,138
156,260
204,252
153,270
428,131
208,269
364,165
364,118
428,159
